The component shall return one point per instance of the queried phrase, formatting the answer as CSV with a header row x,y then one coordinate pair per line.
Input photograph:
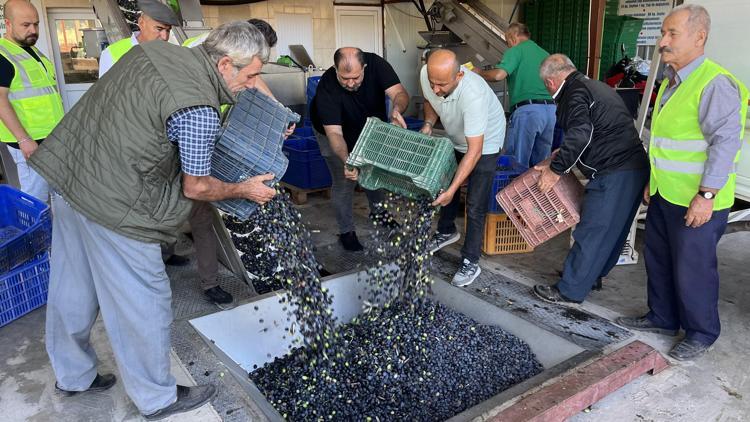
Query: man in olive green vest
x,y
30,104
155,23
126,164
696,134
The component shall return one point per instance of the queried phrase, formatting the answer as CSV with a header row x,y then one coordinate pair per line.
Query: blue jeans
x,y
477,200
609,206
529,134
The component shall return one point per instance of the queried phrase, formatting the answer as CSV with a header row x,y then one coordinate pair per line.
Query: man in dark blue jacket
x,y
601,140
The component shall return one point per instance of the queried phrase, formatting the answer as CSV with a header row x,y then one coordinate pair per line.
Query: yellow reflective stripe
x,y
697,145
32,92
20,69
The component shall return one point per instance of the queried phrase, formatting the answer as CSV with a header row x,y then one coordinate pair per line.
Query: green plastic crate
x,y
402,161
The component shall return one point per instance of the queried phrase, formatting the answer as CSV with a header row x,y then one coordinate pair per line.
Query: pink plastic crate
x,y
540,217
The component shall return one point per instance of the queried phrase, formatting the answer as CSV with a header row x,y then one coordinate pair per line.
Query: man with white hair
x,y
696,135
601,140
125,165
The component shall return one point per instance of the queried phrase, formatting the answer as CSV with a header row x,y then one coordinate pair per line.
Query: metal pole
x,y
650,83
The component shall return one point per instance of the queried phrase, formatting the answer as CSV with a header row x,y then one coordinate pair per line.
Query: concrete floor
x,y
713,388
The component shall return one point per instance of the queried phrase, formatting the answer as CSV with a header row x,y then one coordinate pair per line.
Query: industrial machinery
x,y
470,29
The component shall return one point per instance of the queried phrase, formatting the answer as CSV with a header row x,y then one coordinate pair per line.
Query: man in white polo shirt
x,y
475,121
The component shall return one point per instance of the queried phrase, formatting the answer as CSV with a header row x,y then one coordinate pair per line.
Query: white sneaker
x,y
466,274
441,240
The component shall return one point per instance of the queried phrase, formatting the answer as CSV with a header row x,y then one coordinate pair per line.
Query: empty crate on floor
x,y
250,144
24,289
541,216
307,168
402,161
25,227
501,237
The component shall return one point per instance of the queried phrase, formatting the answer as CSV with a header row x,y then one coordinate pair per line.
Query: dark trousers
x,y
609,205
477,202
683,279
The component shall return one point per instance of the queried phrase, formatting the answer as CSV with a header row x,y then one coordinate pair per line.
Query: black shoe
x,y
100,383
689,349
218,295
552,294
350,242
177,261
643,324
188,398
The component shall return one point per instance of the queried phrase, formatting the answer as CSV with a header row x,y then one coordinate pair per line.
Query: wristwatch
x,y
706,194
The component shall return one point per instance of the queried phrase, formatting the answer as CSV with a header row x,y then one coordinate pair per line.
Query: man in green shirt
x,y
532,119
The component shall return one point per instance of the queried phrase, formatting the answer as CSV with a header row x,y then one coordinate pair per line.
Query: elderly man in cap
x,y
125,168
155,23
29,109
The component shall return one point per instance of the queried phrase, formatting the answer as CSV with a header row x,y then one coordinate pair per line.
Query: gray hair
x,y
698,18
238,40
555,65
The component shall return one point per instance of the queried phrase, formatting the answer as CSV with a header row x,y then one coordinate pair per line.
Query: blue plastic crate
x,y
250,144
24,289
413,123
25,227
303,132
507,170
307,168
312,88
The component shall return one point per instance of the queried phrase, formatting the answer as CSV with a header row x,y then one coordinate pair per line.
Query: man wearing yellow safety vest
x,y
30,104
155,23
696,135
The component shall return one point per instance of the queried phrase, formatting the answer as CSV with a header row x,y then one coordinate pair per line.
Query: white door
x,y
359,26
75,71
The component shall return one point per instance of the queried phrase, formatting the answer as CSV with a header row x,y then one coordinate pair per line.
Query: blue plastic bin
x,y
25,227
24,289
250,144
312,88
307,168
303,132
413,123
507,170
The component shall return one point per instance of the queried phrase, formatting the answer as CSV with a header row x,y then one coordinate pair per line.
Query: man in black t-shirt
x,y
352,90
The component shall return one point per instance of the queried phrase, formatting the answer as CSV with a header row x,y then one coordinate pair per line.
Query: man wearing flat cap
x,y
155,23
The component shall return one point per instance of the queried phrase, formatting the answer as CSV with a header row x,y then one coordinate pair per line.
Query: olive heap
x,y
250,237
282,248
405,357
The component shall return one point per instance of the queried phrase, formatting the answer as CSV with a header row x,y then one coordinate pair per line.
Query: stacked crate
x,y
560,26
307,168
619,31
25,237
500,235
